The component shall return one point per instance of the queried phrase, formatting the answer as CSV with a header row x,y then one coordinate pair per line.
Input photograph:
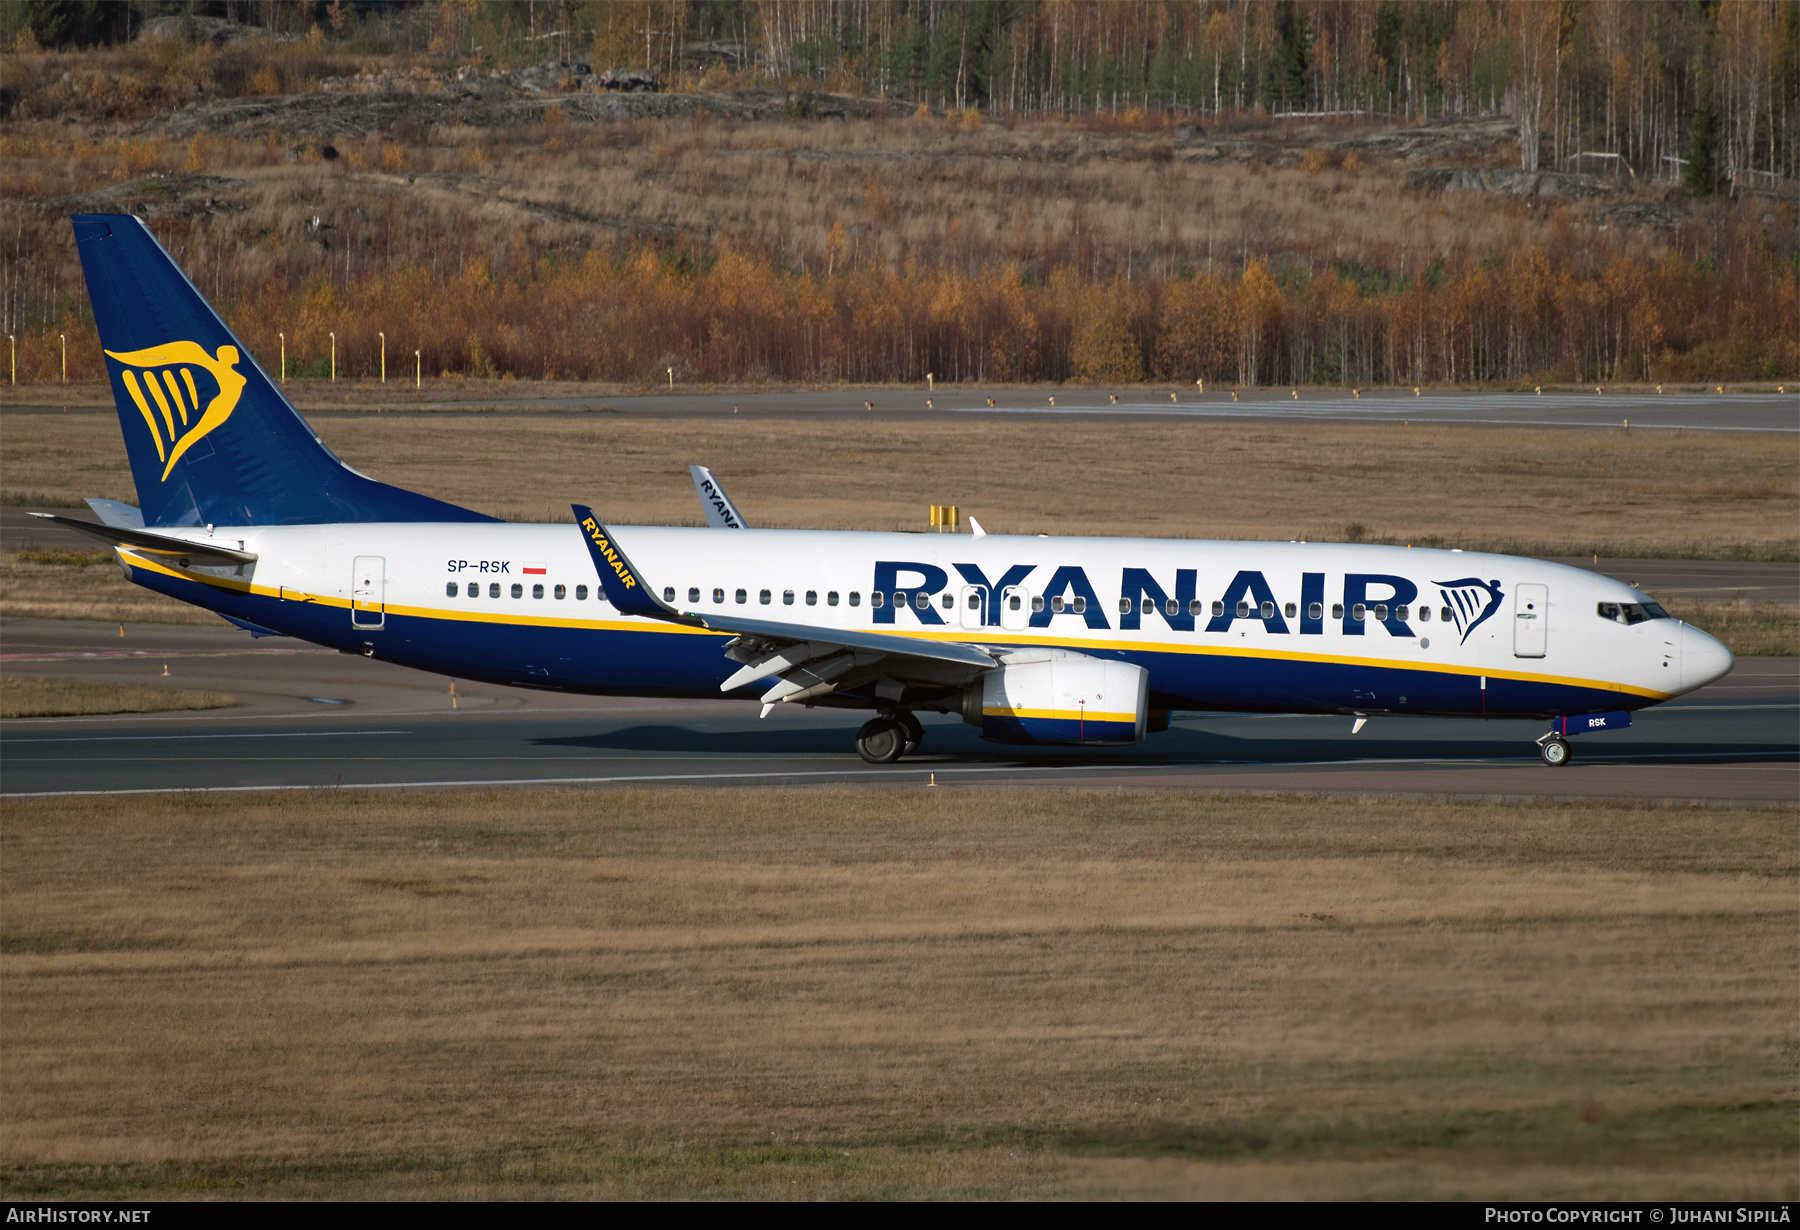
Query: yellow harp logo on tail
x,y
161,382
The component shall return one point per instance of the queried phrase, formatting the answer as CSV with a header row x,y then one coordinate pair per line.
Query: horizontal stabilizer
x,y
205,553
117,513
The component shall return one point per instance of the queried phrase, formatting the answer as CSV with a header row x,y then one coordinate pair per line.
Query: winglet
x,y
721,513
625,586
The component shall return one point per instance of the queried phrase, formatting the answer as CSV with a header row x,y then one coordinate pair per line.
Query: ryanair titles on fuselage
x,y
1249,596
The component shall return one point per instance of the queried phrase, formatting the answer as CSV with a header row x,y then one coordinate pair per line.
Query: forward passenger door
x,y
1531,610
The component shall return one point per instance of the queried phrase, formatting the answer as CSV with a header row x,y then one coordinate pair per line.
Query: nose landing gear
x,y
1554,746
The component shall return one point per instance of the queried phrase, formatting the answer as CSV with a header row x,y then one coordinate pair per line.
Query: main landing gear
x,y
1555,750
885,739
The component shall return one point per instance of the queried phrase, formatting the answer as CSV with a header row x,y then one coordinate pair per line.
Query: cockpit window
x,y
1631,612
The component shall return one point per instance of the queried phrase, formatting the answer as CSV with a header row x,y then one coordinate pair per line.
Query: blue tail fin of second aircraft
x,y
211,439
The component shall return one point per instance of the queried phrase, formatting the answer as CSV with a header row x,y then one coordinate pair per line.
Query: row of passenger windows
x,y
1266,610
1625,613
518,590
766,597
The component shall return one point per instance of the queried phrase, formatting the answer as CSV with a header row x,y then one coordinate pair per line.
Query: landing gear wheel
x,y
915,733
1555,752
882,741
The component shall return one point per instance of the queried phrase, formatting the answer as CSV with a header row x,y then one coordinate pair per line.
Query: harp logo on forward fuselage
x,y
161,382
1470,601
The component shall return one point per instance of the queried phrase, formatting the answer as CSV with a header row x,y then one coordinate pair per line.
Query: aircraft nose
x,y
1703,659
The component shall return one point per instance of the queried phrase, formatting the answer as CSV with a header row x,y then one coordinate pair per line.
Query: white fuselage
x,y
1234,625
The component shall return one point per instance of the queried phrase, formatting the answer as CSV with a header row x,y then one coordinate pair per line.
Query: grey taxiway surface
x,y
311,717
1769,412
1751,412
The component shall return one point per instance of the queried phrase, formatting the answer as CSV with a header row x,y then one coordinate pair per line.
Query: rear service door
x,y
368,592
1531,609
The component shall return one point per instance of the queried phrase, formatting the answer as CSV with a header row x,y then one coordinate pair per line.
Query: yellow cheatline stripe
x,y
637,625
137,395
1061,715
175,394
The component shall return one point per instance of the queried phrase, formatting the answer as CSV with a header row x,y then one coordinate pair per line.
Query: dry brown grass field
x,y
1094,194
897,993
1534,492
544,237
31,696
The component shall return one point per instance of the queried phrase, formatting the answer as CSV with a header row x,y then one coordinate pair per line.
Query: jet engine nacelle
x,y
1071,699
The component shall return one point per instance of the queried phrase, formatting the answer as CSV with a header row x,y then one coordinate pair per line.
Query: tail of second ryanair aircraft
x,y
211,439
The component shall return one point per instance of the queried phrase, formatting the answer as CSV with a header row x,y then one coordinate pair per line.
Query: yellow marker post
x,y
671,379
418,371
283,338
334,358
383,338
13,345
65,354
929,386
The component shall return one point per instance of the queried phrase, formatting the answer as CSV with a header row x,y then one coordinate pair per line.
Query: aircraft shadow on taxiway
x,y
945,742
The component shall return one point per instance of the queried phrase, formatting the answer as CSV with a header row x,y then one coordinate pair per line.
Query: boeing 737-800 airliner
x,y
244,511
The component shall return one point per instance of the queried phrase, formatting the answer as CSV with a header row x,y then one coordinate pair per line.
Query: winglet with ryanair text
x,y
624,584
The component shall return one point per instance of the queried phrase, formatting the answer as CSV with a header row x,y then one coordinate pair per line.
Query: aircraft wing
x,y
721,513
138,539
810,661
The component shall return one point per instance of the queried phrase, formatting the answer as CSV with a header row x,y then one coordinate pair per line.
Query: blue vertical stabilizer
x,y
211,439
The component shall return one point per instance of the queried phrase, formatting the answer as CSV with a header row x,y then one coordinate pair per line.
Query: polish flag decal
x,y
535,569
